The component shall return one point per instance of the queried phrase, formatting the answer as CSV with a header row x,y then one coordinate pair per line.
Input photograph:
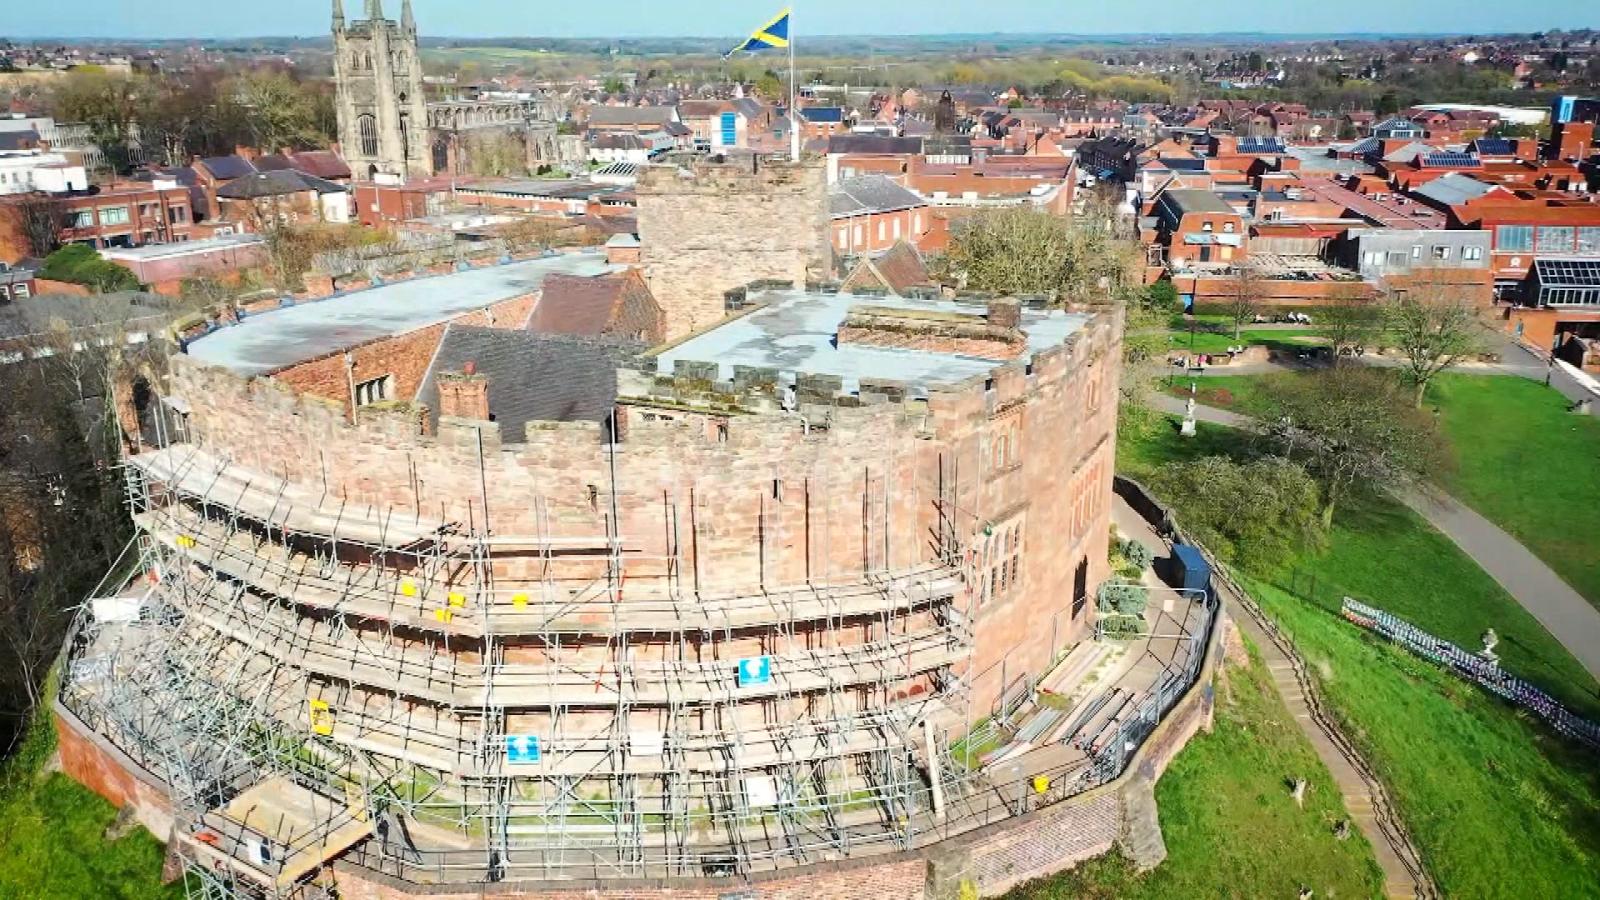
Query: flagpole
x,y
794,112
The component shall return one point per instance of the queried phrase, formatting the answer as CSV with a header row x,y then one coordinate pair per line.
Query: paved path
x,y
1564,612
1364,796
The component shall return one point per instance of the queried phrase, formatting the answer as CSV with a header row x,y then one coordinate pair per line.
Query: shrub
x,y
1251,513
1123,597
80,264
1137,554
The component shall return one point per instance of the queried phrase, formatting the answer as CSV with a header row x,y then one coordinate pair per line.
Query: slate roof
x,y
277,184
225,168
532,377
700,109
1195,201
873,143
869,193
750,107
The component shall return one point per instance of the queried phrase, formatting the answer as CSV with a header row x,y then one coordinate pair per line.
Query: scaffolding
x,y
314,678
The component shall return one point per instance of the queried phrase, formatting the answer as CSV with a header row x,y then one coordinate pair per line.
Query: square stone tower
x,y
377,72
718,226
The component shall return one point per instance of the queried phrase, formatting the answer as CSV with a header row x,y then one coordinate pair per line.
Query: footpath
x,y
1368,802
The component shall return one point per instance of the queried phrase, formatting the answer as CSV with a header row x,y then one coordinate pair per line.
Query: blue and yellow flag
x,y
772,36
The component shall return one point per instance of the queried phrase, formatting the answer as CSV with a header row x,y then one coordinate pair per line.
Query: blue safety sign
x,y
755,670
522,748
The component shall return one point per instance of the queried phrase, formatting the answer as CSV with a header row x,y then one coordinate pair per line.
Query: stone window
x,y
1002,560
367,131
374,390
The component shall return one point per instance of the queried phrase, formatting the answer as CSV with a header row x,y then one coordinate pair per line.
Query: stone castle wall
x,y
724,227
743,501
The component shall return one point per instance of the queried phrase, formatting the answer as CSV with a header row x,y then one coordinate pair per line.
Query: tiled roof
x,y
898,270
578,305
870,193
321,163
532,377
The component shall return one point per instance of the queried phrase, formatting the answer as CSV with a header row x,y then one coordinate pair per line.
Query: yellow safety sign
x,y
321,717
519,600
444,614
408,588
458,599
185,541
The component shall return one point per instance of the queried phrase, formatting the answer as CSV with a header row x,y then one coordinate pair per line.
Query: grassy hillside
x,y
1228,819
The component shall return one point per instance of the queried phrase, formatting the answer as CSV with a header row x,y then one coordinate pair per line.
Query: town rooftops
x,y
320,163
870,194
796,332
267,342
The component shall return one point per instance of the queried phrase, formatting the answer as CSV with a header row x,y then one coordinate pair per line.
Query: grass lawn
x,y
1499,806
1529,466
1382,553
52,836
1230,826
1178,339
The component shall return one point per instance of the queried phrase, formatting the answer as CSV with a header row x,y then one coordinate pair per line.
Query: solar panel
x,y
1261,145
1449,161
1493,147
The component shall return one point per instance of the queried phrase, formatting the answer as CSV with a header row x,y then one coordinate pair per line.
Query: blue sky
x,y
654,18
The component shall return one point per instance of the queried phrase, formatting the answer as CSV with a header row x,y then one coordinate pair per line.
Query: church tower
x,y
377,72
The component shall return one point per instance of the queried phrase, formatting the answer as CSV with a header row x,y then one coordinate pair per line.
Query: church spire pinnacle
x,y
375,10
338,15
408,24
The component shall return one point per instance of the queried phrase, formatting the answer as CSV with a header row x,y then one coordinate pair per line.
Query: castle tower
x,y
383,121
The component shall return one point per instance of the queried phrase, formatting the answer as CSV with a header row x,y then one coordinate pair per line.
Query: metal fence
x,y
1474,667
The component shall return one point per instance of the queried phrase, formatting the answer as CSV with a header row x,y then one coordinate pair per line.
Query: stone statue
x,y
1490,640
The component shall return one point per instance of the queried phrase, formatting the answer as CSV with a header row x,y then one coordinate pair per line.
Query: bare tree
x,y
1029,251
1244,297
1434,324
1350,321
1353,428
37,219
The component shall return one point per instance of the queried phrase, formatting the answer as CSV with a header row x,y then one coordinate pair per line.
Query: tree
x,y
1348,322
276,111
769,86
1250,513
1245,290
110,106
1021,250
1434,325
1144,340
1353,428
37,220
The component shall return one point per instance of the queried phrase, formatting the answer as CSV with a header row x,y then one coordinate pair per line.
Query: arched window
x,y
367,130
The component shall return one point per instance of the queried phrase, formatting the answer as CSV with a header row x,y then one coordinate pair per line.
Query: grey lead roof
x,y
532,377
1452,188
267,342
869,193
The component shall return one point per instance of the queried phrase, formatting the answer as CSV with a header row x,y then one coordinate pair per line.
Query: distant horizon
x,y
478,20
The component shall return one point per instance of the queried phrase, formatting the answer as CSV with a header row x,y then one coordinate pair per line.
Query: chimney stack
x,y
1005,312
464,394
